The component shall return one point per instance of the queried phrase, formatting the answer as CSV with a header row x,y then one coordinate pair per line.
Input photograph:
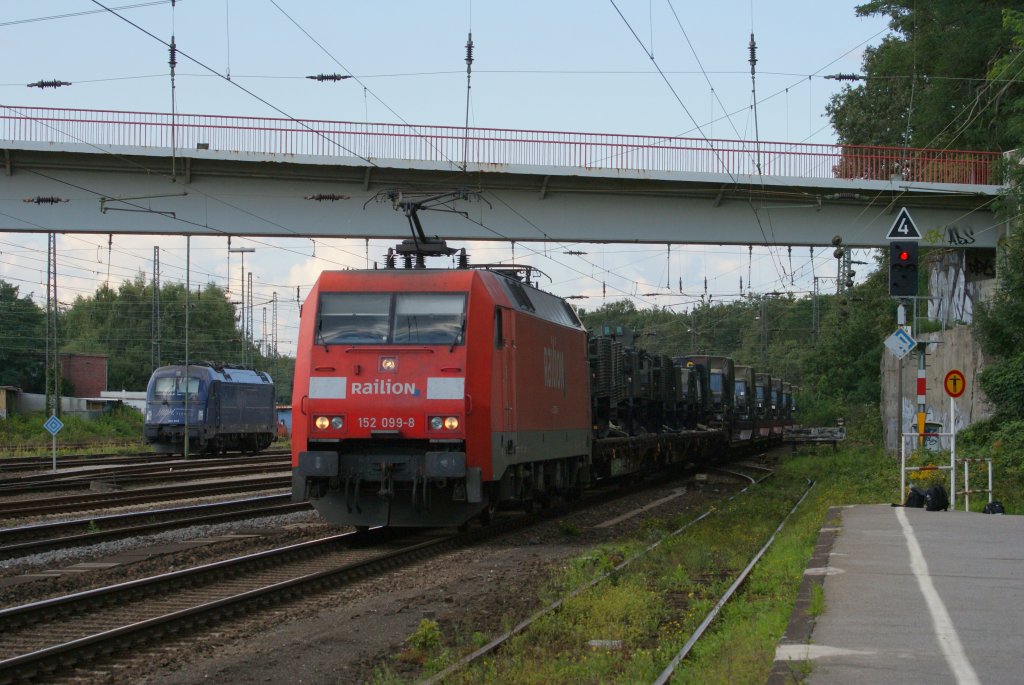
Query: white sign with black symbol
x,y
903,228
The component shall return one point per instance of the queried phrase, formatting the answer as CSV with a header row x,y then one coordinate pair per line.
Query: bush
x,y
1003,383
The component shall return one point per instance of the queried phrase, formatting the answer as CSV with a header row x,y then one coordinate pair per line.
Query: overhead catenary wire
x,y
651,50
235,83
682,104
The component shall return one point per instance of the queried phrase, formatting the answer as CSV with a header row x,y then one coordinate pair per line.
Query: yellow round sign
x,y
955,383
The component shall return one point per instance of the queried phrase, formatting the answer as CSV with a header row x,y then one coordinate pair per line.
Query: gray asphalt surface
x,y
913,596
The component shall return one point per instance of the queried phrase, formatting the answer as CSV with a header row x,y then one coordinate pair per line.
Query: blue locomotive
x,y
228,409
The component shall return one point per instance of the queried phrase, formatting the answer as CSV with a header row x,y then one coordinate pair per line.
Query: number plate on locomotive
x,y
385,422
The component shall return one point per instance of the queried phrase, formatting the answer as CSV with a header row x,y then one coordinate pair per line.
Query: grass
x,y
626,629
24,435
817,607
118,430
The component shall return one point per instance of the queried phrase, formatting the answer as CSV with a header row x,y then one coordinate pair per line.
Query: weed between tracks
x,y
629,627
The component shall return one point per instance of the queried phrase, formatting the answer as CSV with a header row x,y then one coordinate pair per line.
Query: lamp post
x,y
245,319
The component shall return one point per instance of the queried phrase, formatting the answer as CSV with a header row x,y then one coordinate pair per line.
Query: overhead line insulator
x,y
54,83
327,197
329,77
45,200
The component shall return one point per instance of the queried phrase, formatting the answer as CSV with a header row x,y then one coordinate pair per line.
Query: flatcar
x,y
222,408
428,397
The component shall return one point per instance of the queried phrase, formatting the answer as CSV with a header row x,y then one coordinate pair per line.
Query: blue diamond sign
x,y
900,343
53,425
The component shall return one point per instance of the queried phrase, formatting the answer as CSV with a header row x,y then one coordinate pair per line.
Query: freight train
x,y
223,408
428,397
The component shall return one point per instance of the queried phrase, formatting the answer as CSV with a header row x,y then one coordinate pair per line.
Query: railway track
x,y
93,501
753,473
139,474
37,640
90,628
37,538
44,463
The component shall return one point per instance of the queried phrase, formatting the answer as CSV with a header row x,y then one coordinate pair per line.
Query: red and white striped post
x,y
922,384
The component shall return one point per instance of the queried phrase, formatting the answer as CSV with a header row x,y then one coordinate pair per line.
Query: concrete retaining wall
x,y
954,348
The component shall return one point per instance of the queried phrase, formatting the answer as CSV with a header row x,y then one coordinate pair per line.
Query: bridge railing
x,y
457,146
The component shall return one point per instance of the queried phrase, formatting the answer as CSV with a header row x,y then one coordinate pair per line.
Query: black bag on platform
x,y
916,498
993,507
935,499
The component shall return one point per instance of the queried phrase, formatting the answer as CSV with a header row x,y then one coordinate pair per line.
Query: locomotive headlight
x,y
337,423
322,422
448,423
388,364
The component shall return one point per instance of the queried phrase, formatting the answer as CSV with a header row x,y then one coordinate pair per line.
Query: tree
x,y
844,364
22,341
116,324
120,325
1005,73
926,84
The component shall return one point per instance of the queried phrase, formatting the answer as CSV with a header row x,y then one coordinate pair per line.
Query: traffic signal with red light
x,y
903,269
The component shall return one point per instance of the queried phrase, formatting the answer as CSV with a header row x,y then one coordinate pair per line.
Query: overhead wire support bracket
x,y
105,200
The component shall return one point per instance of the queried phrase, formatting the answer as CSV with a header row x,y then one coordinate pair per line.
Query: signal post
x,y
903,239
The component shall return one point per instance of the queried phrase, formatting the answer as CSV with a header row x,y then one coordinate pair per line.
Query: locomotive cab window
x,y
391,318
429,318
353,318
173,388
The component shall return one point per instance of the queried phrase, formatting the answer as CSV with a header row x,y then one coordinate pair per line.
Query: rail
x,y
814,435
457,146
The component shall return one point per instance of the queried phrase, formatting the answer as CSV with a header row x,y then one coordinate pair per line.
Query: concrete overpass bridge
x,y
90,171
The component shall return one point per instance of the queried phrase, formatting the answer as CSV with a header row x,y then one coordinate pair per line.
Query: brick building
x,y
87,373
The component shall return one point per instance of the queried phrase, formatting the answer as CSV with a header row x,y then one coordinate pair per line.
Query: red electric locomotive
x,y
425,397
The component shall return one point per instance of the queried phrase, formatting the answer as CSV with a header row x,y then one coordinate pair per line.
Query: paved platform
x,y
911,596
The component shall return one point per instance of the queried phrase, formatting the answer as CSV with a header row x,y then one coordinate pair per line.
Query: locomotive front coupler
x,y
386,483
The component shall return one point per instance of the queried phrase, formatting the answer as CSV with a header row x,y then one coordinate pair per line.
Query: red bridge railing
x,y
489,146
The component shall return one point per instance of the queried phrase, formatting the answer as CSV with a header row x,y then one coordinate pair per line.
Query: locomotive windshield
x,y
173,388
391,318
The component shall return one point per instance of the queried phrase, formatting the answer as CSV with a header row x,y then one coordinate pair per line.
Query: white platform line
x,y
946,634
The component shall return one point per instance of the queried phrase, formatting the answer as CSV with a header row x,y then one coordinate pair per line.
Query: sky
x,y
655,67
